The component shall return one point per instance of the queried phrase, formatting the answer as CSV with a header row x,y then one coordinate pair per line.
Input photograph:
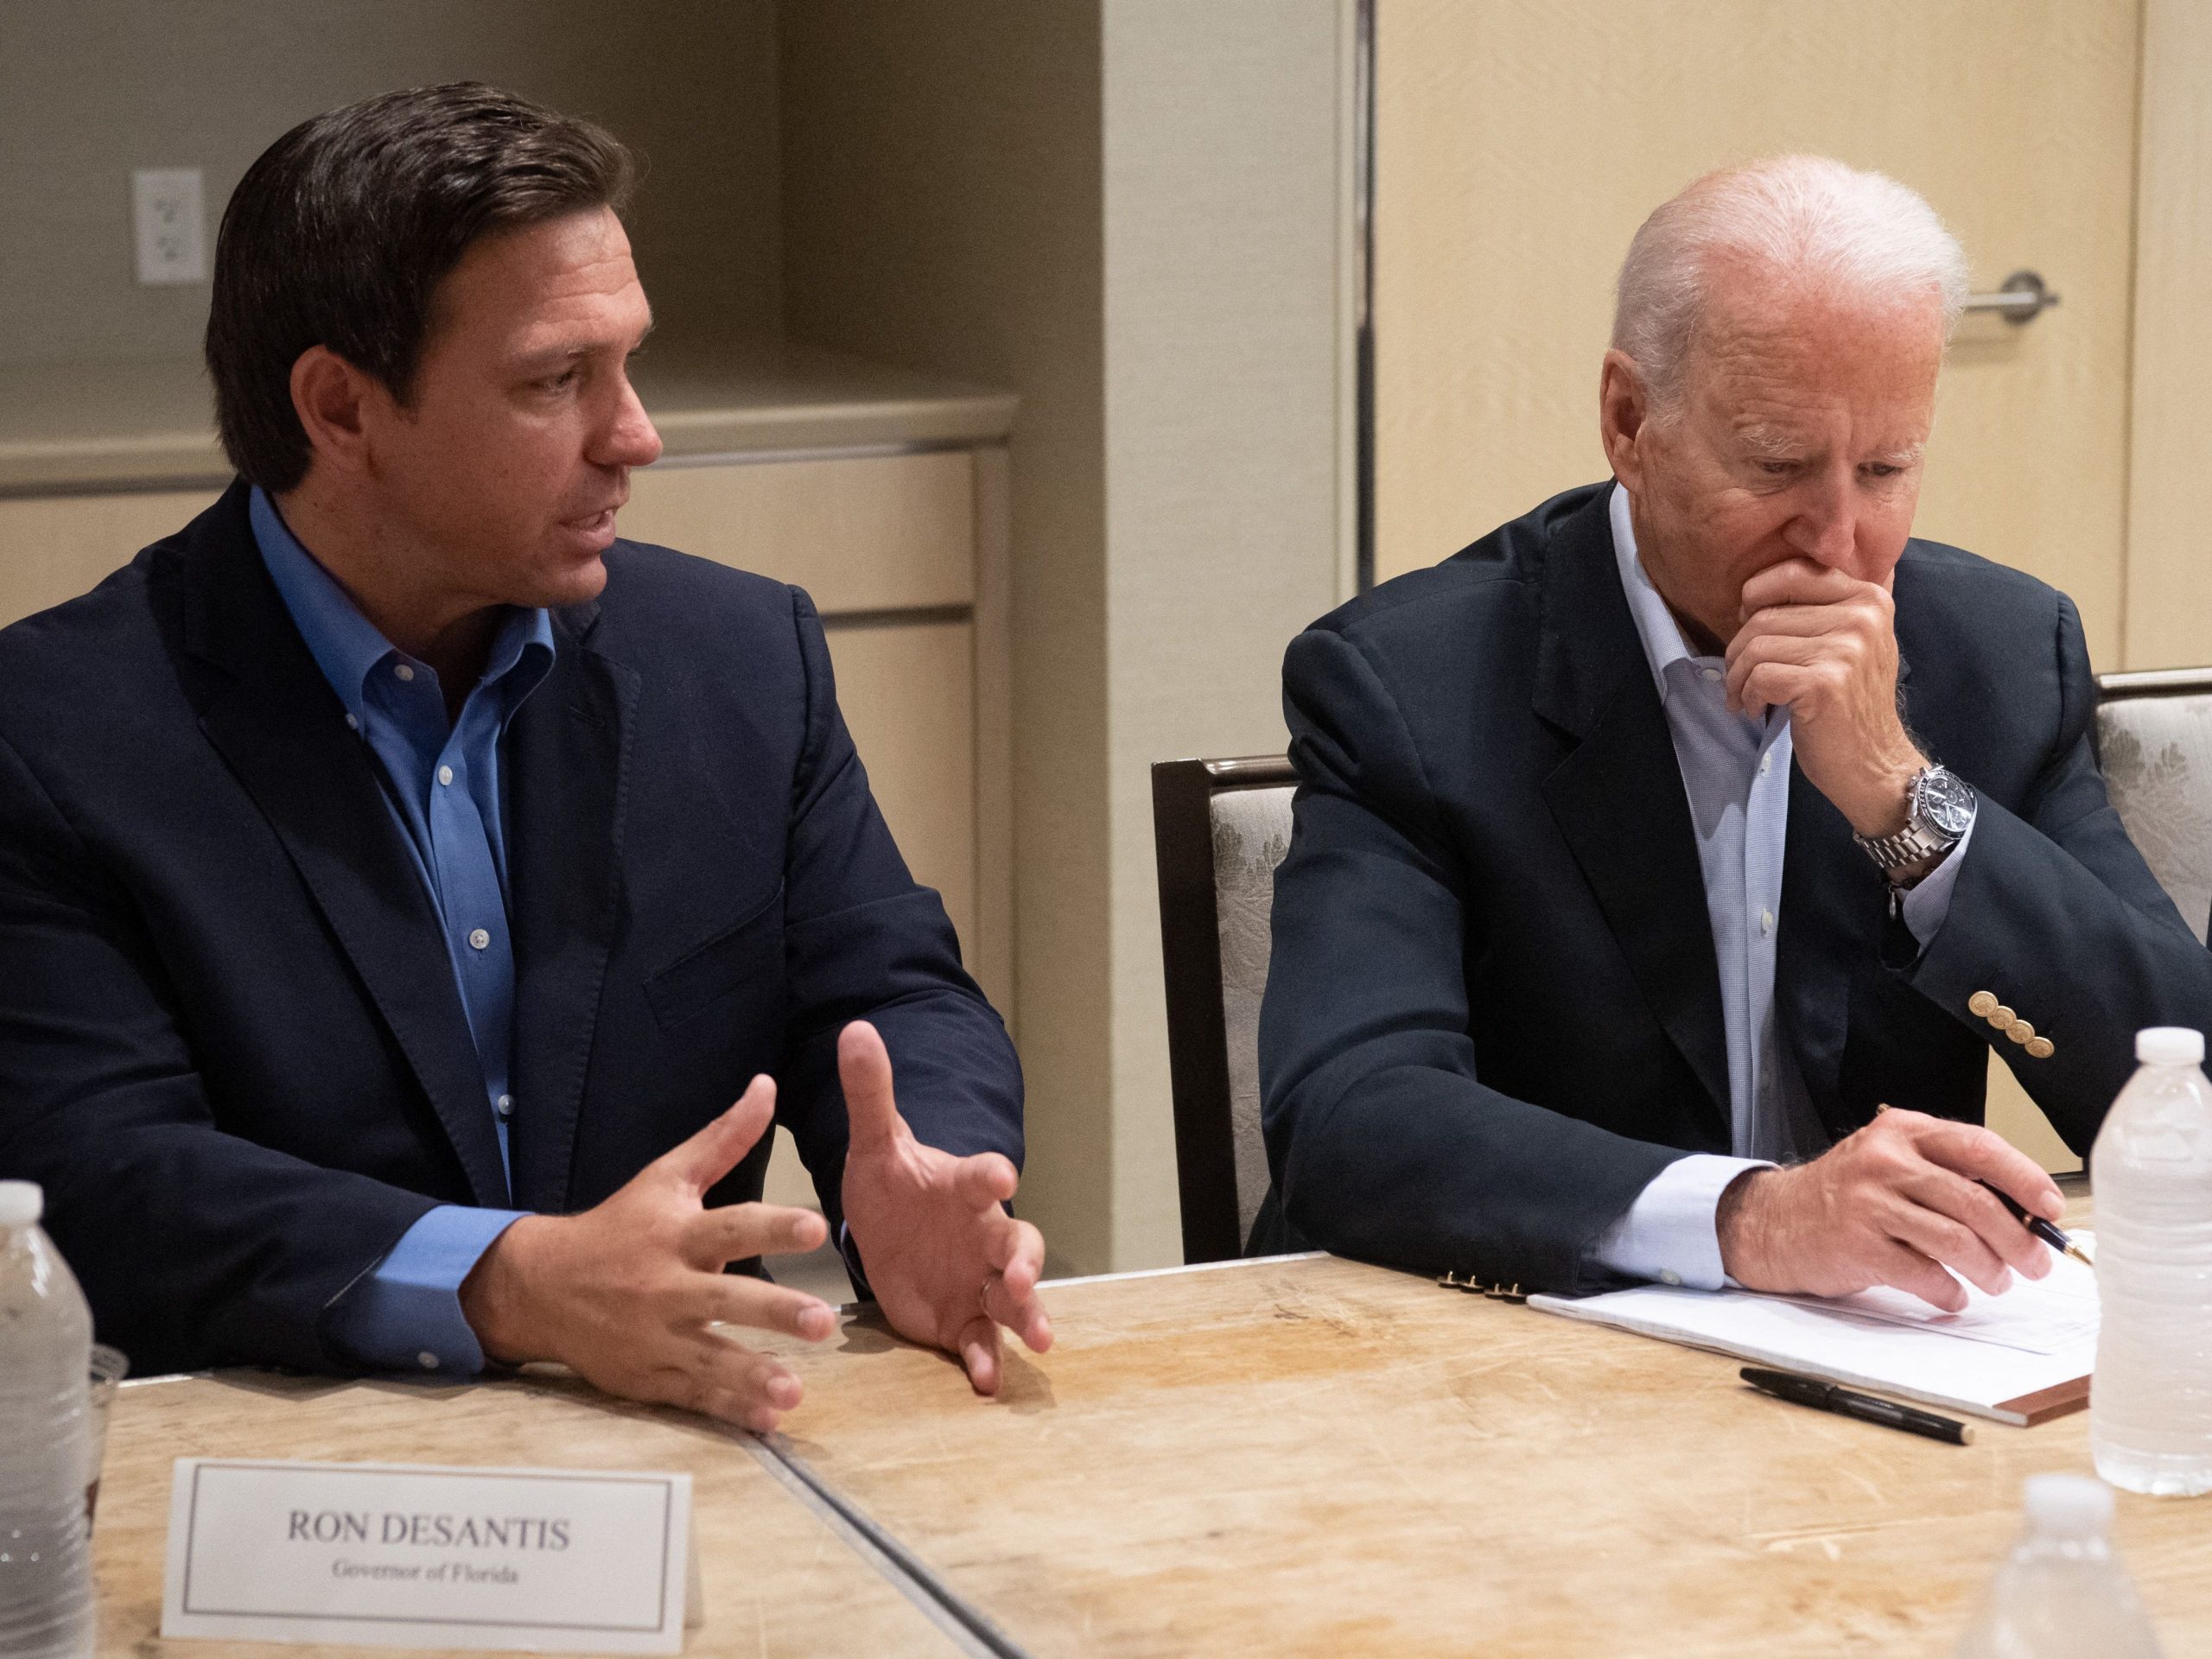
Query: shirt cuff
x,y
1669,1233
1928,900
405,1315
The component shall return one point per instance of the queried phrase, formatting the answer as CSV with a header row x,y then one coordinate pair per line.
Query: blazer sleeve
x,y
864,941
196,1246
1383,1139
2055,914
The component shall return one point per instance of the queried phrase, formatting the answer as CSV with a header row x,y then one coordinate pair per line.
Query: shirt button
x,y
427,1360
506,1107
1710,673
1766,763
353,722
1766,921
445,774
1670,1277
402,670
479,937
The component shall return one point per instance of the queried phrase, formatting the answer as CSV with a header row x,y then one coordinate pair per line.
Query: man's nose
x,y
629,438
1826,529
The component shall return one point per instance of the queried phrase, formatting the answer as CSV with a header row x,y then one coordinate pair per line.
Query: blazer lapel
x,y
567,762
1617,797
280,727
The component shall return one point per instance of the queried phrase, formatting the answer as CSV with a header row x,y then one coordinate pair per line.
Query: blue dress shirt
x,y
1736,774
442,781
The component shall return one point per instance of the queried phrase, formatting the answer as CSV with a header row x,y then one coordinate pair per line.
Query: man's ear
x,y
1624,406
330,397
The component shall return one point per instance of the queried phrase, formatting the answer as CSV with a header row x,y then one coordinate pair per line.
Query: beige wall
x,y
1521,143
90,89
942,198
2169,597
1227,447
1130,213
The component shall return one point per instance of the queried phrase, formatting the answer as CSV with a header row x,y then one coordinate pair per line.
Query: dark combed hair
x,y
340,232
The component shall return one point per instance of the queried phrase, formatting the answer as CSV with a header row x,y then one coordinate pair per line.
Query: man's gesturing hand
x,y
1825,644
1895,1204
947,1264
624,1292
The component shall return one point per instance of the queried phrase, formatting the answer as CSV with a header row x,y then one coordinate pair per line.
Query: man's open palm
x,y
947,1264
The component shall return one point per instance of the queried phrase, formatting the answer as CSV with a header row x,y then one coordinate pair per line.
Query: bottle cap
x,y
21,1203
2169,1045
2070,1506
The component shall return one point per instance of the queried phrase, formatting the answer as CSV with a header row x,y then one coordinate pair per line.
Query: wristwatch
x,y
1939,810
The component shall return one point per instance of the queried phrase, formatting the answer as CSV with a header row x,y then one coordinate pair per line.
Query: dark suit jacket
x,y
231,1046
1493,1013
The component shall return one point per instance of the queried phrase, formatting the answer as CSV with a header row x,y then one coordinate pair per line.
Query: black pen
x,y
1826,1396
2042,1229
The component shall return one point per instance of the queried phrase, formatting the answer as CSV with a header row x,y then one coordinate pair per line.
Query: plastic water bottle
x,y
2062,1593
2150,1400
45,1341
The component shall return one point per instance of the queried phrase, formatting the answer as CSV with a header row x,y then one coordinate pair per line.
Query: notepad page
x,y
2052,1315
2039,1335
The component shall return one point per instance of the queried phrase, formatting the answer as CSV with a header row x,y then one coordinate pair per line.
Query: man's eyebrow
x,y
1766,442
1763,443
565,352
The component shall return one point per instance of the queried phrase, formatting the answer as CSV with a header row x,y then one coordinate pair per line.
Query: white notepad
x,y
2020,1357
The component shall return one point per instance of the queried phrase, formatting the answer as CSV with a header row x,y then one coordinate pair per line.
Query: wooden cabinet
x,y
871,533
55,547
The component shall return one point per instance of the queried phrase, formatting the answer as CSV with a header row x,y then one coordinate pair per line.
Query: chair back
x,y
2154,741
1220,828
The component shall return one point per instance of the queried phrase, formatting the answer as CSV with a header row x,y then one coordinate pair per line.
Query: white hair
x,y
1803,218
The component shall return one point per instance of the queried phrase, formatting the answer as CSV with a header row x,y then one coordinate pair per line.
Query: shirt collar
x,y
1655,624
348,647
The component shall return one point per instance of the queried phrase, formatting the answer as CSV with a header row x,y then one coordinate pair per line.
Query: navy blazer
x,y
1493,1011
231,1044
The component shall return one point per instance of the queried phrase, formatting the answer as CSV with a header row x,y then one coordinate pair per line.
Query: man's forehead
x,y
529,289
1778,381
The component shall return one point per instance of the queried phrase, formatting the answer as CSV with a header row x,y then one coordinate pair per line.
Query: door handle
x,y
2021,299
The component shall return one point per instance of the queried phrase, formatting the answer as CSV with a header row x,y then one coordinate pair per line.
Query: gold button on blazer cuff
x,y
2000,1016
2019,1030
2041,1048
1982,1004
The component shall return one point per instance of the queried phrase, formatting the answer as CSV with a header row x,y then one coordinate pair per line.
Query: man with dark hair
x,y
399,873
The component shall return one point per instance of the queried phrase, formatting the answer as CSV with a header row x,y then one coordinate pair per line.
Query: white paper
x,y
420,1556
2054,1315
2040,1334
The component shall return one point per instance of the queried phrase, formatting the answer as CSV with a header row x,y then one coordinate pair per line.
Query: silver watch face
x,y
1947,804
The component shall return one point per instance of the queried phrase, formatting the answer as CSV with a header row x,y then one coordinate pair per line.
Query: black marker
x,y
2042,1229
1826,1396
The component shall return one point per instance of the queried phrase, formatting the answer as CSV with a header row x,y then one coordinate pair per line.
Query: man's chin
x,y
575,583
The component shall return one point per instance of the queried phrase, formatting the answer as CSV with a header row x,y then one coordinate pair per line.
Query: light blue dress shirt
x,y
1736,775
442,781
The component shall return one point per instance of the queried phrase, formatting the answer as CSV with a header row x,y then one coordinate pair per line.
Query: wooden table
x,y
1299,1456
1310,1456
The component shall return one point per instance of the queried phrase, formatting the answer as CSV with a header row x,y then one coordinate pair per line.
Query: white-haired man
x,y
1651,845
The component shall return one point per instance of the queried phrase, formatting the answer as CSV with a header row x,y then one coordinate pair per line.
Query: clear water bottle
x,y
46,1342
2150,1400
2062,1593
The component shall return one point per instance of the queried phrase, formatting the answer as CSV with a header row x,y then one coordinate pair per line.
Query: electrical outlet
x,y
168,218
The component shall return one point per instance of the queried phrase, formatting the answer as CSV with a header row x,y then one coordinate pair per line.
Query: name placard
x,y
410,1555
